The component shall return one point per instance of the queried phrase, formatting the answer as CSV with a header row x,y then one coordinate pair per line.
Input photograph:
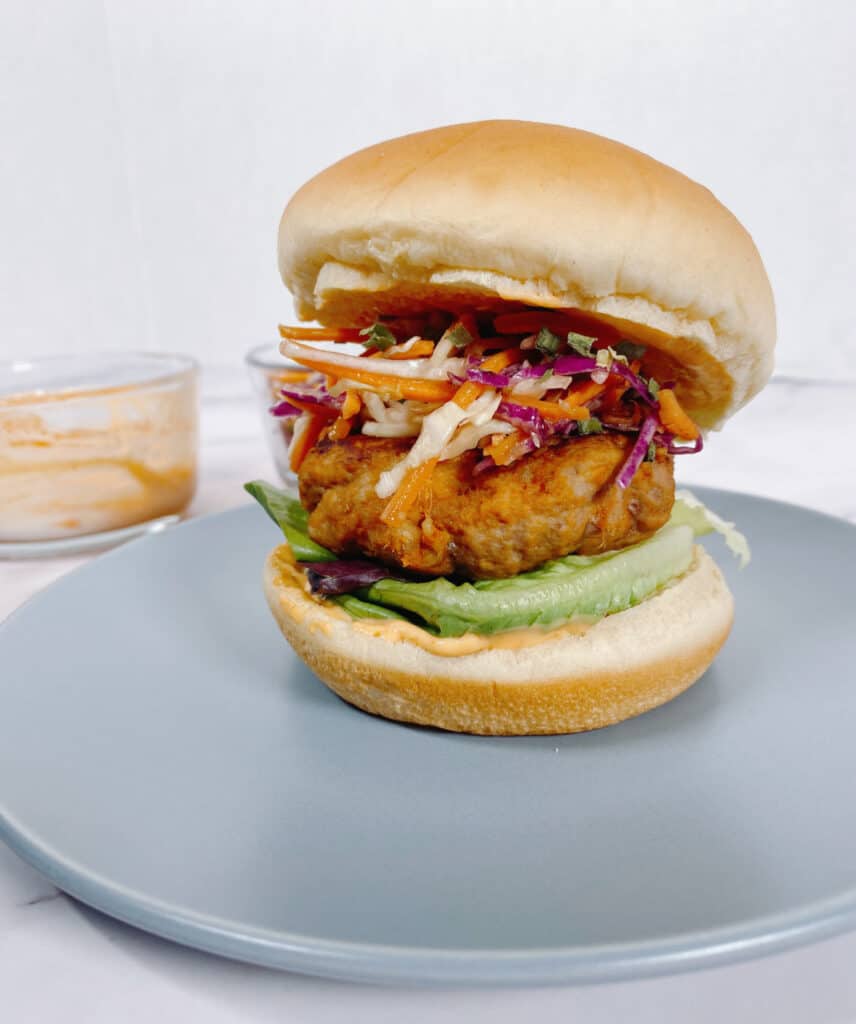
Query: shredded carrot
x,y
340,429
420,389
467,393
352,405
304,440
584,392
502,360
577,412
331,381
614,390
416,480
673,417
552,410
291,376
430,391
417,388
319,333
502,449
420,348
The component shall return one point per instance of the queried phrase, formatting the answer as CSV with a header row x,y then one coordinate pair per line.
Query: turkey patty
x,y
559,500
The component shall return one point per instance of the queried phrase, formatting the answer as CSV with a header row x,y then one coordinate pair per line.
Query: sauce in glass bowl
x,y
95,443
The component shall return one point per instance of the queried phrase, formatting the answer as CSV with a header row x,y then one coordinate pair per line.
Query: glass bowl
x,y
269,370
94,444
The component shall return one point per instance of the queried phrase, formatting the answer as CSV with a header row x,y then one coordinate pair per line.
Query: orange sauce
x,y
82,462
395,631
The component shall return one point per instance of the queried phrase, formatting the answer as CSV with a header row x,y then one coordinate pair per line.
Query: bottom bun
x,y
523,682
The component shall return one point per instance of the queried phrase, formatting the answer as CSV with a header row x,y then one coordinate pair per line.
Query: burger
x,y
518,328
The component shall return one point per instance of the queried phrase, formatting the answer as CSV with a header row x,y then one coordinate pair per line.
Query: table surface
x,y
60,961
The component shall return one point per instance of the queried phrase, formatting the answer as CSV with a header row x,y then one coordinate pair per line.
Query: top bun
x,y
501,214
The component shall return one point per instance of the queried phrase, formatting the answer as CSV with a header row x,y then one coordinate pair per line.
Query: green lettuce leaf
x,y
567,588
574,587
292,518
361,609
689,511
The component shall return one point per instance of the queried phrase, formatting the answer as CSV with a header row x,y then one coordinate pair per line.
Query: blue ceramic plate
x,y
165,758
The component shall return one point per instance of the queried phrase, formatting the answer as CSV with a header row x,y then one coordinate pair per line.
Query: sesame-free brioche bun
x,y
517,683
502,214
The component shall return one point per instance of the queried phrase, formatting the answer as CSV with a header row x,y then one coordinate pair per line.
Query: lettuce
x,y
573,587
567,588
292,518
689,511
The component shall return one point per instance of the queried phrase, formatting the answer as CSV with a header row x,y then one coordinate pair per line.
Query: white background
x,y
146,151
149,147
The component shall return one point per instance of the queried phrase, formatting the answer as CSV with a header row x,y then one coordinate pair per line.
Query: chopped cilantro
x,y
590,426
651,454
547,342
459,336
581,343
630,350
653,387
378,336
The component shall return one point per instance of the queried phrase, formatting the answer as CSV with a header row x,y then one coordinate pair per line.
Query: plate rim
x,y
428,966
84,543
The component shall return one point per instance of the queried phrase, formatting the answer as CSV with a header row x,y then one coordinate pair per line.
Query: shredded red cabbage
x,y
536,429
284,409
565,427
637,452
635,381
529,372
570,366
342,577
567,366
494,380
527,419
318,396
527,444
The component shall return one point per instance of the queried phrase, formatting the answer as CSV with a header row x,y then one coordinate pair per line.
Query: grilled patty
x,y
558,500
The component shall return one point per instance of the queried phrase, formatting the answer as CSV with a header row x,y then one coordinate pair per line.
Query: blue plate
x,y
165,758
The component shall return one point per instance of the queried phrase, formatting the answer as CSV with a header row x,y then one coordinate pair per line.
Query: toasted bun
x,y
569,680
496,212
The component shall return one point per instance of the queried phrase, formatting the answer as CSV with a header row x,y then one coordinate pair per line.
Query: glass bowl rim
x,y
180,365
255,358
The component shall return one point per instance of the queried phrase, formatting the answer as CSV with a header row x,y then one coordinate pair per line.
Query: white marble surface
x,y
60,961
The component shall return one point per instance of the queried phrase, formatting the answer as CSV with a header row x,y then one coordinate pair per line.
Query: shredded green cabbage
x,y
690,511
